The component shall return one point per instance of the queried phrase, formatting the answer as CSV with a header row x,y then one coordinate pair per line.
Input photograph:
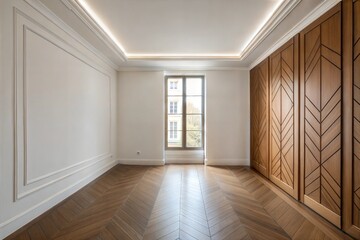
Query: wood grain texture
x,y
284,112
356,147
259,122
322,108
177,202
351,116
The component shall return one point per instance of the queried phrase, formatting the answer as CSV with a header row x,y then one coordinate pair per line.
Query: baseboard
x,y
184,161
16,222
145,162
227,162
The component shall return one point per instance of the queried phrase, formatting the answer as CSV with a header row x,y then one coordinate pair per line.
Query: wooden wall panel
x,y
351,116
356,146
284,110
259,91
321,135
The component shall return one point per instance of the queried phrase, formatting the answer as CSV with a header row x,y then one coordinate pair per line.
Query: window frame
x,y
183,114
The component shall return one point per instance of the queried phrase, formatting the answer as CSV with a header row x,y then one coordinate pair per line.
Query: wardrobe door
x,y
351,61
321,106
259,104
284,124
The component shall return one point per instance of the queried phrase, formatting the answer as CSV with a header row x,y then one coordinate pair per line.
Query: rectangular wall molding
x,y
24,184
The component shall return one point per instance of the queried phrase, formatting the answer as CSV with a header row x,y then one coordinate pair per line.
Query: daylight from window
x,y
185,117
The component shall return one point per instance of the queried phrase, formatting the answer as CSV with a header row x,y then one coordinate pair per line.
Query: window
x,y
173,130
173,84
184,112
173,107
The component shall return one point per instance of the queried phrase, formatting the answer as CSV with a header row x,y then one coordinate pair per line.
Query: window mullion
x,y
184,114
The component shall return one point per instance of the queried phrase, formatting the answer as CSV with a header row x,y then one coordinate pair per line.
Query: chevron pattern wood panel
x,y
356,119
259,92
321,49
283,117
177,202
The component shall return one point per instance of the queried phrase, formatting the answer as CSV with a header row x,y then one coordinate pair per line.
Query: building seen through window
x,y
184,112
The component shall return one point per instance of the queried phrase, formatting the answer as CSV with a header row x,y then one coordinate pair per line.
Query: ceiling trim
x,y
281,12
104,34
181,69
39,7
322,8
83,15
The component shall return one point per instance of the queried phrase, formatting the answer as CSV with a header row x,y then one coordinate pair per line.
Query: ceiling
x,y
172,27
184,34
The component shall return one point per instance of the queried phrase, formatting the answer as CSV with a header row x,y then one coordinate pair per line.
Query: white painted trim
x,y
226,162
306,21
279,14
284,9
156,69
20,96
84,16
185,161
53,18
145,162
16,222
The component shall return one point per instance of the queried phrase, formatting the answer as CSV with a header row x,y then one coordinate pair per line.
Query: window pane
x,y
193,86
193,105
174,138
174,105
193,139
174,86
193,122
174,122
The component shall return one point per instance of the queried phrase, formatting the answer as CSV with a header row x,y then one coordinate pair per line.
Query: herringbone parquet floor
x,y
179,202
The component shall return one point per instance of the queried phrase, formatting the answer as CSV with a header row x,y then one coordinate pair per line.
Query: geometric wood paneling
x,y
351,156
356,117
321,80
284,117
259,92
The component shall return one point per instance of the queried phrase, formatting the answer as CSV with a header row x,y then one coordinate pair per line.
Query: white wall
x,y
227,118
141,117
57,113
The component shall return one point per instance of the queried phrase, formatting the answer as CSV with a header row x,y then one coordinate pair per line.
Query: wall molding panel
x,y
24,184
59,109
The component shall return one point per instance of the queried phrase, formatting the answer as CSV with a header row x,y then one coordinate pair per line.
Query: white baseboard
x,y
184,161
145,162
227,162
16,222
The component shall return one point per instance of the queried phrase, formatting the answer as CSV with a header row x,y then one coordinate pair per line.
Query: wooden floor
x,y
179,202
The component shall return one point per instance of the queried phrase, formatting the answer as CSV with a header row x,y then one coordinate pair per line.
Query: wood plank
x,y
186,202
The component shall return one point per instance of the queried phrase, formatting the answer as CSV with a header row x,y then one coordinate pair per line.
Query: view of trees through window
x,y
185,110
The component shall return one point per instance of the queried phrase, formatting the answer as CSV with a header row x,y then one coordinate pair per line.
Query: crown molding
x,y
181,69
38,6
325,6
84,16
280,13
